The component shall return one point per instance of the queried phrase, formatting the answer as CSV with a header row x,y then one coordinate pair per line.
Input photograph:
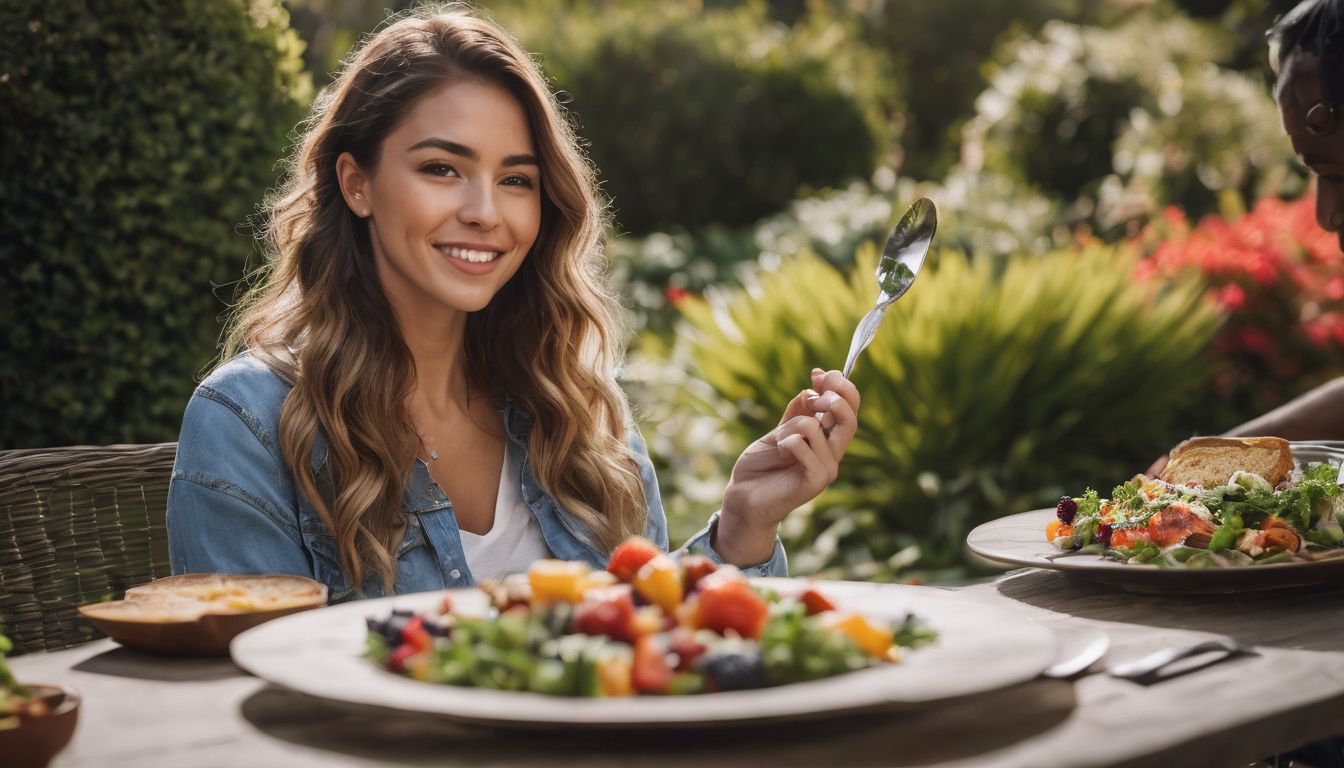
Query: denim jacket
x,y
234,507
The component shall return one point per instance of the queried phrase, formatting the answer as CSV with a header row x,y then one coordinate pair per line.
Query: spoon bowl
x,y
902,259
903,256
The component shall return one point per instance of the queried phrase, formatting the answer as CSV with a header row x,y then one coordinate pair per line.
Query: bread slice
x,y
190,596
1211,461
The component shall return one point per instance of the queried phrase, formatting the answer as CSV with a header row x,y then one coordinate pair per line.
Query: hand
x,y
1158,466
787,468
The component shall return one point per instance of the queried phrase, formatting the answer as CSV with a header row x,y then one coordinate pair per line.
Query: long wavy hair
x,y
317,314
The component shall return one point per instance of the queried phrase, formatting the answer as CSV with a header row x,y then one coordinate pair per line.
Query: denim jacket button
x,y
456,574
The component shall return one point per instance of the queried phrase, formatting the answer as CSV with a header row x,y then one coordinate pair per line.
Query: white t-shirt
x,y
514,541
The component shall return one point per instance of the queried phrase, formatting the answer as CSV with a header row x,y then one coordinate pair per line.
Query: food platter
x,y
319,653
1020,540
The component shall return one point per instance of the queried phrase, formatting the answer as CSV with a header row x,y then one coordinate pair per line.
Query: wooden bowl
x,y
197,614
38,738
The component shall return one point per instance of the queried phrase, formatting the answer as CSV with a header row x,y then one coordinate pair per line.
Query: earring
x,y
1320,119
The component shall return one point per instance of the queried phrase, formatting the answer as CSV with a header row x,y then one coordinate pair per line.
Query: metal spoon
x,y
902,258
1082,655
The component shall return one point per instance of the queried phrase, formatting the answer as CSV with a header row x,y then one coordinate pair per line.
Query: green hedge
x,y
711,117
995,386
139,136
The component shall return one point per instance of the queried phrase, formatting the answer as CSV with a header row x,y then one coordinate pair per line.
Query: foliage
x,y
993,387
1279,279
713,117
1122,120
938,48
140,135
987,215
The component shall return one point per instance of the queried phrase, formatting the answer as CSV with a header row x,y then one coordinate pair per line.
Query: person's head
x,y
440,133
1307,53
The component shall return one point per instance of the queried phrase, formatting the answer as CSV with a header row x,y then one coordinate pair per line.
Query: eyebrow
x,y
452,147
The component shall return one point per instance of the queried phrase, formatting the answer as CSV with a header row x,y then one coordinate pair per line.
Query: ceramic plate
x,y
981,647
1020,540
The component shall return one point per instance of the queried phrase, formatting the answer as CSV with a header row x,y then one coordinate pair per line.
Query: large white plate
x,y
1020,540
981,647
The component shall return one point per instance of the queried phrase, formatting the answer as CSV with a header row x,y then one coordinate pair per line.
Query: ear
x,y
354,185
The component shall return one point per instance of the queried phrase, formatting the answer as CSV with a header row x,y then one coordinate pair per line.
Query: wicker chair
x,y
77,525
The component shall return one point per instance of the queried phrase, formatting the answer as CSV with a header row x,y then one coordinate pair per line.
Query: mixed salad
x,y
1246,521
648,624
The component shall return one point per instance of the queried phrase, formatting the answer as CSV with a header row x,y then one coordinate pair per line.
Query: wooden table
x,y
147,711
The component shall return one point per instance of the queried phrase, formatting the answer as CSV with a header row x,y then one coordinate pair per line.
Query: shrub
x,y
938,48
993,387
986,215
1129,118
713,117
139,134
1279,280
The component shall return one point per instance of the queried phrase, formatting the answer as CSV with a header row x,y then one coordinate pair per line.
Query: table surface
x,y
149,711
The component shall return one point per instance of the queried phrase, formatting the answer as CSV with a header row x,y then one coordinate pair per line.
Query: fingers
x,y
819,474
1156,469
804,434
834,381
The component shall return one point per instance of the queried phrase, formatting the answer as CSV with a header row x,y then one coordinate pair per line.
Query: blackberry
x,y
1104,534
733,671
1066,509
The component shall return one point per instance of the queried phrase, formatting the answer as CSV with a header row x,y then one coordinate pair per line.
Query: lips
x,y
472,255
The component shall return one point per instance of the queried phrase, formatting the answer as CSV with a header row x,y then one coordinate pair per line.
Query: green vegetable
x,y
913,633
1226,535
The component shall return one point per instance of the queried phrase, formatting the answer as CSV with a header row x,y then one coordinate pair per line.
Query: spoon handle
x,y
863,336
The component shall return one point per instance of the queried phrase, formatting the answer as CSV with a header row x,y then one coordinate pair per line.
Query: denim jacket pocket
x,y
323,552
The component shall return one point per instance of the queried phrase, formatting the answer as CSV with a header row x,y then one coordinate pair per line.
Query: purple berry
x,y
1104,534
1066,509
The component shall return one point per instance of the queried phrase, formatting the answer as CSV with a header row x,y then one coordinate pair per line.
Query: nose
x,y
1330,205
478,207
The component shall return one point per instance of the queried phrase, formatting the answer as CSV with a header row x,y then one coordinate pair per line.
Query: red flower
x,y
1231,297
1278,279
676,295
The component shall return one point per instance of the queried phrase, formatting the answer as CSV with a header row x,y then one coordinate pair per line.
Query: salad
x,y
1246,521
648,624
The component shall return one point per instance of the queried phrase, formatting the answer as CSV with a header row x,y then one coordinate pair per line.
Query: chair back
x,y
78,524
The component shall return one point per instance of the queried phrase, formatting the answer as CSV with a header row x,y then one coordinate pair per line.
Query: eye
x,y
521,182
439,169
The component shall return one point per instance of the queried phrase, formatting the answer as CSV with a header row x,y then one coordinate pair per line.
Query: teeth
x,y
467,254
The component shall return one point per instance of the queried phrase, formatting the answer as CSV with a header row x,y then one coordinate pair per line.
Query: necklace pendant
x,y
433,455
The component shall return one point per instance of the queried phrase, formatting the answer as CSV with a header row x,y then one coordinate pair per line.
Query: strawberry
x,y
731,605
631,555
693,569
415,635
684,644
609,612
815,601
651,673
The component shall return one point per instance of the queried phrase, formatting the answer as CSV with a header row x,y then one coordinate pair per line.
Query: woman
x,y
422,392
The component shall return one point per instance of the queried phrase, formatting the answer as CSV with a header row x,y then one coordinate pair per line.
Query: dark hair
x,y
1316,27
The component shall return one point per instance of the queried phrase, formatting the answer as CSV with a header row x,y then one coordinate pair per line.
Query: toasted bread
x,y
1211,461
187,597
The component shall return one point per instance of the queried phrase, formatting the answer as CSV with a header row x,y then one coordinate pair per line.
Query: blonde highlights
x,y
320,319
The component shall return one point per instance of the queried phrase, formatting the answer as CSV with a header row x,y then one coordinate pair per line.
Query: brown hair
x,y
321,320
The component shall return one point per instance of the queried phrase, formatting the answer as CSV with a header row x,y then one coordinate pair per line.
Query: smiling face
x,y
1317,135
454,201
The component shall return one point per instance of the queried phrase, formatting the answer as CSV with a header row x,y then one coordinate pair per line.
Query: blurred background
x,y
1126,256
